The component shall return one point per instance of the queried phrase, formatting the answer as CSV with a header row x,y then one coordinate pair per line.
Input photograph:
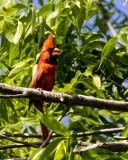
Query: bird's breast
x,y
48,79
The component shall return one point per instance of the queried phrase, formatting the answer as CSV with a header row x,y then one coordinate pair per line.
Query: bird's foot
x,y
39,89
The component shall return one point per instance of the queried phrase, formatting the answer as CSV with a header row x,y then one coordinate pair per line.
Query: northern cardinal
x,y
44,77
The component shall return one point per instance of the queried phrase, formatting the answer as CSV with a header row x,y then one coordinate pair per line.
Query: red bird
x,y
44,77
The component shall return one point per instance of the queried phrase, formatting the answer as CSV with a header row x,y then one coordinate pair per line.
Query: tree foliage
x,y
92,63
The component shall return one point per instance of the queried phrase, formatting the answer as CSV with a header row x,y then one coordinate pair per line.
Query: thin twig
x,y
120,138
17,141
18,145
100,131
118,85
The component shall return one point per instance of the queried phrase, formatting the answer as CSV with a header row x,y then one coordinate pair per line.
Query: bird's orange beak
x,y
56,52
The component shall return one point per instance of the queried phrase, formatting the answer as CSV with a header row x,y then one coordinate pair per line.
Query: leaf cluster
x,y
91,63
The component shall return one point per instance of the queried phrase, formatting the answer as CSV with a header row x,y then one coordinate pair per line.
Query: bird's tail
x,y
44,129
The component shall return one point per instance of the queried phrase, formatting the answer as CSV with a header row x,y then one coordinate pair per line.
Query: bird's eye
x,y
50,50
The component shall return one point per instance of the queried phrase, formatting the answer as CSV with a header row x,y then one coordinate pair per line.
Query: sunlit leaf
x,y
18,33
9,29
15,8
77,157
110,45
20,67
59,154
97,81
35,154
125,131
45,10
51,148
34,18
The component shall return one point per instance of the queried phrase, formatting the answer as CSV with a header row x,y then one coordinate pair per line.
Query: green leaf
x,y
94,37
125,131
96,81
126,92
119,74
20,67
60,28
13,52
123,30
73,141
25,11
51,148
9,28
88,7
75,10
75,80
53,124
115,93
80,18
15,8
100,93
96,44
45,10
59,154
76,118
92,121
1,26
18,33
92,12
88,72
110,45
35,154
34,15
77,157
102,26
87,85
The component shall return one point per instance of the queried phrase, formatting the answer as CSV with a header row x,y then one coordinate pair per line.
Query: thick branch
x,y
73,99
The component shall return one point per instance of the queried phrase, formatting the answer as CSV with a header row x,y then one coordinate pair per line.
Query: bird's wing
x,y
35,83
36,79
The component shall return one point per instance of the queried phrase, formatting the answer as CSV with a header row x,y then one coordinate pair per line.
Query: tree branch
x,y
21,158
112,146
72,99
118,85
77,134
19,145
100,131
120,138
17,141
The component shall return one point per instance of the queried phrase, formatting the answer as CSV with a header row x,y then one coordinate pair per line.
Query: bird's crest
x,y
48,43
